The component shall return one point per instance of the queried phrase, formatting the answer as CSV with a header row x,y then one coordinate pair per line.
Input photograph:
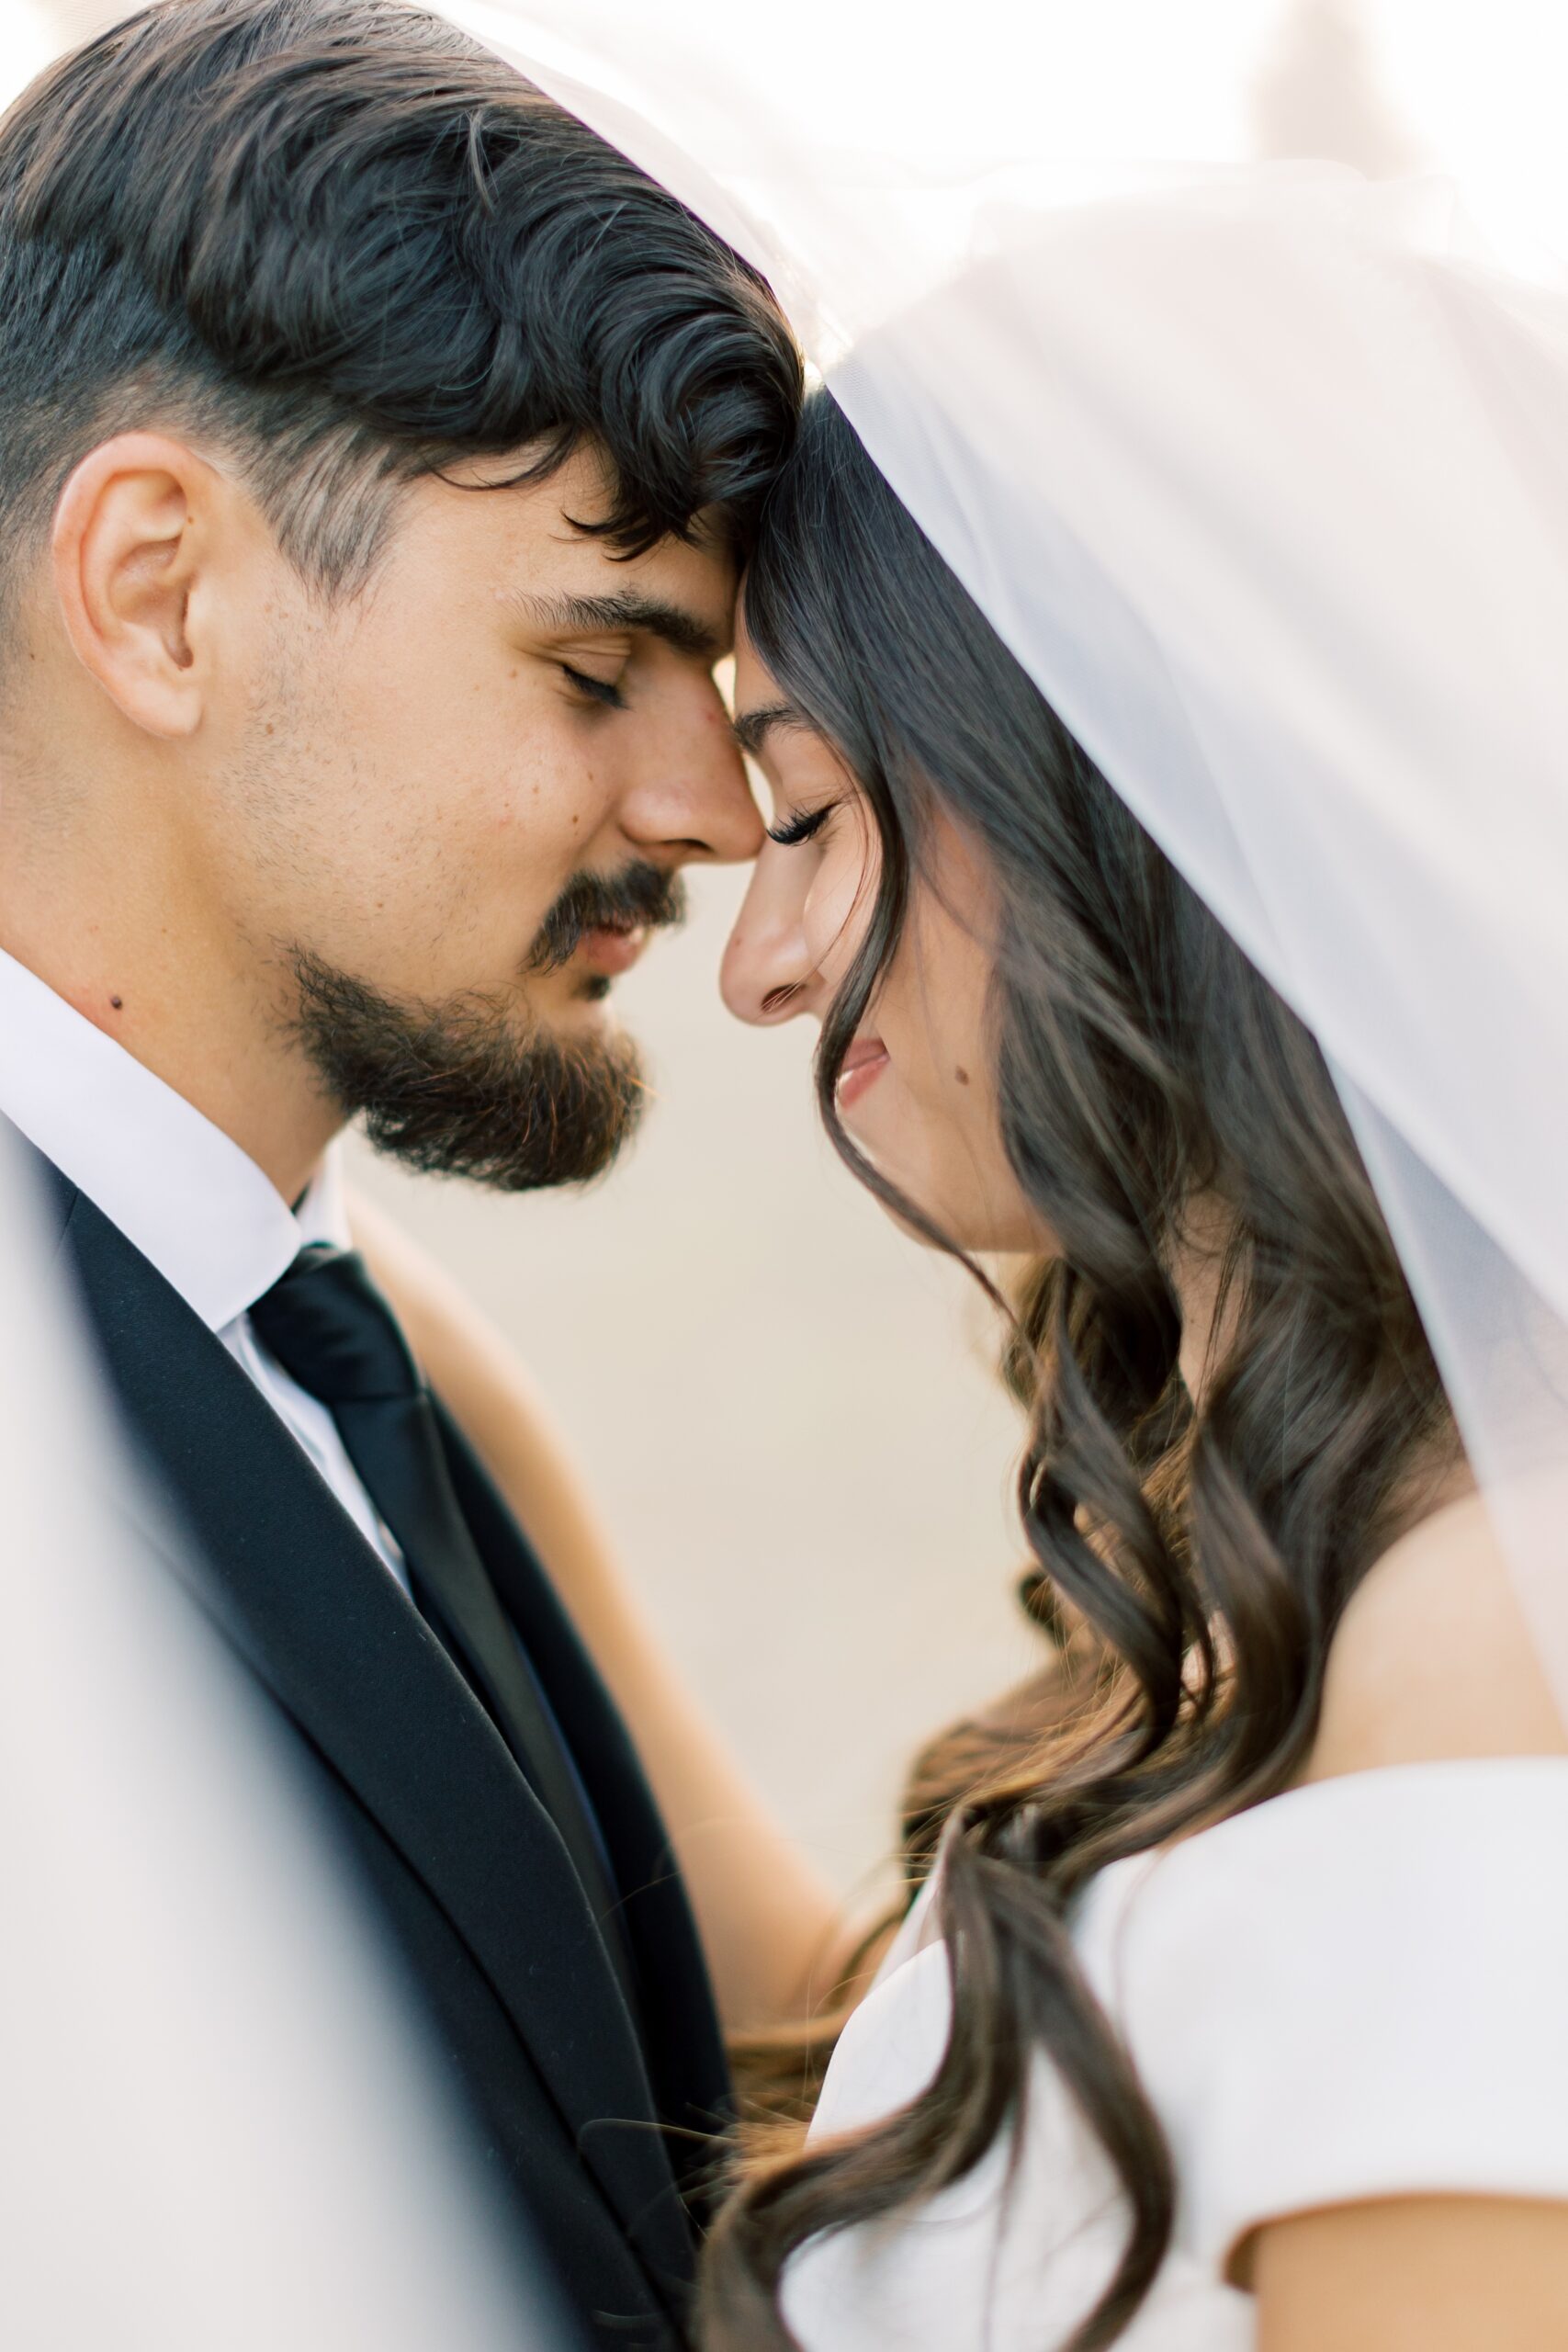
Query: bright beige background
x,y
788,1413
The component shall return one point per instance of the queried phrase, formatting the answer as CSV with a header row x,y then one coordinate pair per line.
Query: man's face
x,y
458,801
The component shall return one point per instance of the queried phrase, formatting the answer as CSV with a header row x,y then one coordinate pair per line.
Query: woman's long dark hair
x,y
1156,1098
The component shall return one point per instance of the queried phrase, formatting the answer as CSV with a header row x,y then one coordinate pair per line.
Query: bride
x,y
1231,2012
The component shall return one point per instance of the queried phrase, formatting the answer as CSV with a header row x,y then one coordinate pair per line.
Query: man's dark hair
x,y
341,242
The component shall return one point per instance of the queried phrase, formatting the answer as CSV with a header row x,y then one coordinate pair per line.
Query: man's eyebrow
x,y
752,728
627,609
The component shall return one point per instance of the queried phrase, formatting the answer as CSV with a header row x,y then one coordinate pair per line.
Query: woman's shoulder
x,y
1376,1955
1435,1657
1351,1992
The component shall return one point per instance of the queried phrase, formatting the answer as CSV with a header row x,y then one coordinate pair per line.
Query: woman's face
x,y
917,1092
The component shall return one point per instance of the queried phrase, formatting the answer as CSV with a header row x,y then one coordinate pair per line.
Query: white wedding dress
x,y
1357,1990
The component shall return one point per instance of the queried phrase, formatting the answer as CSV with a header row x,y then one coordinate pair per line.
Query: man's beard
x,y
452,1088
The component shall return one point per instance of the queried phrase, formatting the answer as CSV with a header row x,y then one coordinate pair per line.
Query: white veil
x,y
1260,468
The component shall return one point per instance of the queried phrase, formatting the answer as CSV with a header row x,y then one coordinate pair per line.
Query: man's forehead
x,y
561,573
572,497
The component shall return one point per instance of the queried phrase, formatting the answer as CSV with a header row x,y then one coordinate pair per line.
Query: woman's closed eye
x,y
789,833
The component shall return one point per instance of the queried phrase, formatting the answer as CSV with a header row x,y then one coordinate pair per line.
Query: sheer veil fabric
x,y
1261,470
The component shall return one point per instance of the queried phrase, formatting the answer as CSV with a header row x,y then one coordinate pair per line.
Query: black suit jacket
x,y
569,2091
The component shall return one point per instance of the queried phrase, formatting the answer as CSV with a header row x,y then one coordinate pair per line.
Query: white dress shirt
x,y
182,1192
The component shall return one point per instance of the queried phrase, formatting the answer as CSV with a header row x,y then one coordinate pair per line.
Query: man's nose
x,y
767,971
693,800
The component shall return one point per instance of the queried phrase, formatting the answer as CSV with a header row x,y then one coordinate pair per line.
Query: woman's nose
x,y
766,973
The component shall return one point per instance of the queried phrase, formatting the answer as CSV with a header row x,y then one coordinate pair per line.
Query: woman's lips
x,y
862,1065
609,951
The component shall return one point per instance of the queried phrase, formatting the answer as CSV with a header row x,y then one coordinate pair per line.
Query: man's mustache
x,y
641,895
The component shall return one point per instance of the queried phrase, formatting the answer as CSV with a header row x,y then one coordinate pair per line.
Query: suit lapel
x,y
690,2073
350,1660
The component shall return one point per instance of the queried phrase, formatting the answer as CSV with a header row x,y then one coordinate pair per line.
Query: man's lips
x,y
862,1065
608,949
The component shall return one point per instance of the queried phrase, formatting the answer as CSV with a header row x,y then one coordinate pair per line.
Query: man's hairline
x,y
21,579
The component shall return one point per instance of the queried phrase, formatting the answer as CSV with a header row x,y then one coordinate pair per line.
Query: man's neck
x,y
183,1004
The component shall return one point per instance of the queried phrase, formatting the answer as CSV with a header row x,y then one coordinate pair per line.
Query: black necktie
x,y
332,1330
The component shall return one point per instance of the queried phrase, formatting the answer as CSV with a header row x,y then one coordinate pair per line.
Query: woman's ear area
x,y
138,537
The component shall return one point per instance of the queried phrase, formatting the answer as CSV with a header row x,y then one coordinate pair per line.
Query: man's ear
x,y
133,544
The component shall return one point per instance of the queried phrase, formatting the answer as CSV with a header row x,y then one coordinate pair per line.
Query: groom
x,y
377,448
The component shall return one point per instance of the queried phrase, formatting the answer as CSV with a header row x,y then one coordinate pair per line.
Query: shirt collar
x,y
195,1206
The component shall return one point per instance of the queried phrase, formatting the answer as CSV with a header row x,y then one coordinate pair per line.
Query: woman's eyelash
x,y
804,827
600,690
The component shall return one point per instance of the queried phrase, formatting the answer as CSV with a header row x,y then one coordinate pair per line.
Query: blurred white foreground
x,y
221,2129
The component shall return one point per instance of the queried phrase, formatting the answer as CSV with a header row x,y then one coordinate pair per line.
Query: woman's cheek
x,y
839,907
